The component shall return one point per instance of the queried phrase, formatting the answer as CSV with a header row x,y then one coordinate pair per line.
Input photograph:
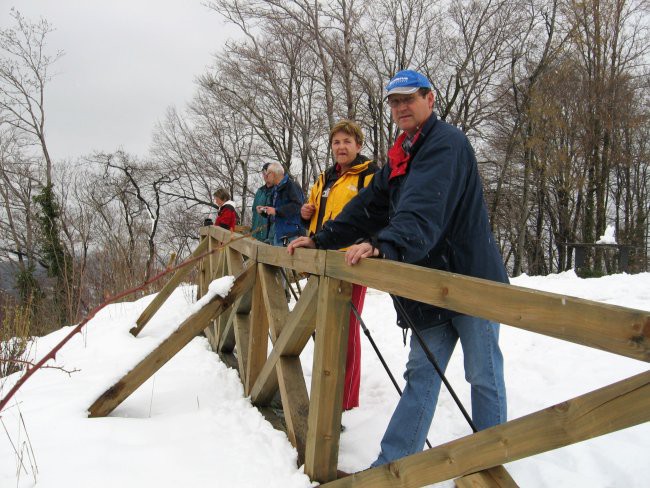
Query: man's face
x,y
273,178
410,111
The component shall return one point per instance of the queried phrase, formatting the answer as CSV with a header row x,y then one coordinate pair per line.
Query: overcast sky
x,y
125,62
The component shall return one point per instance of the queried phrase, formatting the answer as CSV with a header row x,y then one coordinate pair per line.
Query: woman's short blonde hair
x,y
348,127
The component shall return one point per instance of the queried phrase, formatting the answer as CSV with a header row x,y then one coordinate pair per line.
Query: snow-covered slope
x,y
190,425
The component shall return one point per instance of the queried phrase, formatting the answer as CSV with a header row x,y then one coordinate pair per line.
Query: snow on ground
x,y
190,425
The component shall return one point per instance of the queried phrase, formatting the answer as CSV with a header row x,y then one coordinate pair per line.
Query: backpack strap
x,y
370,170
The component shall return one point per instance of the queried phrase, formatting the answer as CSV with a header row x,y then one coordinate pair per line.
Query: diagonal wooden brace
x,y
608,409
189,329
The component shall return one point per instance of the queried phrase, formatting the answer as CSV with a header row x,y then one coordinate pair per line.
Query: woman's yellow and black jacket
x,y
332,192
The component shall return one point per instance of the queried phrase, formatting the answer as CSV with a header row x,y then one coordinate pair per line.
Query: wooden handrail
x,y
620,330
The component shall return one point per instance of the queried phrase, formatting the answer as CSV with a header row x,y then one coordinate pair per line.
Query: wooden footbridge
x,y
239,325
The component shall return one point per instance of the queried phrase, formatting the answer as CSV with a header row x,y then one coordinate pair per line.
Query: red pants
x,y
353,359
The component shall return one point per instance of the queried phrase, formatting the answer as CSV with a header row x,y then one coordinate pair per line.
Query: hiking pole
x,y
433,361
286,280
381,358
285,243
296,280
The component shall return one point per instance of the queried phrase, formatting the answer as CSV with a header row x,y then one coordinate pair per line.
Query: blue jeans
x,y
409,425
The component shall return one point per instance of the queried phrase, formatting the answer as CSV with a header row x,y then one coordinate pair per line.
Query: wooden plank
x,y
245,245
216,260
178,339
614,407
275,301
236,265
295,402
272,418
307,261
167,290
201,282
214,264
295,335
227,336
233,266
620,330
242,339
212,339
218,270
241,320
290,378
229,360
496,477
328,375
258,338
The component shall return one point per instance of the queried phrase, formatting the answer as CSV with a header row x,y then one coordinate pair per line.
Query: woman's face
x,y
345,148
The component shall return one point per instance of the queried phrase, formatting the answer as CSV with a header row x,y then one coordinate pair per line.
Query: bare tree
x,y
141,182
24,73
18,185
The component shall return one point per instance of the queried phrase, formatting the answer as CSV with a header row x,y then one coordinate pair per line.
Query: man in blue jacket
x,y
262,226
287,199
426,207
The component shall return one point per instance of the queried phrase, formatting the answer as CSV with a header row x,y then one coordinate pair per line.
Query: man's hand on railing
x,y
307,242
358,251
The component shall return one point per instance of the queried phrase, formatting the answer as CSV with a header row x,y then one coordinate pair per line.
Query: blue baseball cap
x,y
405,82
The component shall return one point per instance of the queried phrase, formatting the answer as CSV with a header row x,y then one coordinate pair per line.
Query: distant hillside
x,y
8,271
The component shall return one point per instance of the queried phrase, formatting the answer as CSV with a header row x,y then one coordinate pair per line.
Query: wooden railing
x,y
239,325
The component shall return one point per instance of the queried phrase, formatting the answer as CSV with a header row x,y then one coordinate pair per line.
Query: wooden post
x,y
222,269
212,265
203,272
242,326
241,321
292,340
234,264
328,375
258,338
293,390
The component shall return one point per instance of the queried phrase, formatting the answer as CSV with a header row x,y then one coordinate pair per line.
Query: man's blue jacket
x,y
434,216
287,200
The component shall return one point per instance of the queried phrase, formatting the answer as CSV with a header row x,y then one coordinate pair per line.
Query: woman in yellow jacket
x,y
335,187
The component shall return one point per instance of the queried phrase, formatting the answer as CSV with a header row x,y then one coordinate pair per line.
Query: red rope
x,y
93,312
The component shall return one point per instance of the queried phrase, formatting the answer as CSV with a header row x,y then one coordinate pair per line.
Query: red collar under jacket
x,y
398,158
